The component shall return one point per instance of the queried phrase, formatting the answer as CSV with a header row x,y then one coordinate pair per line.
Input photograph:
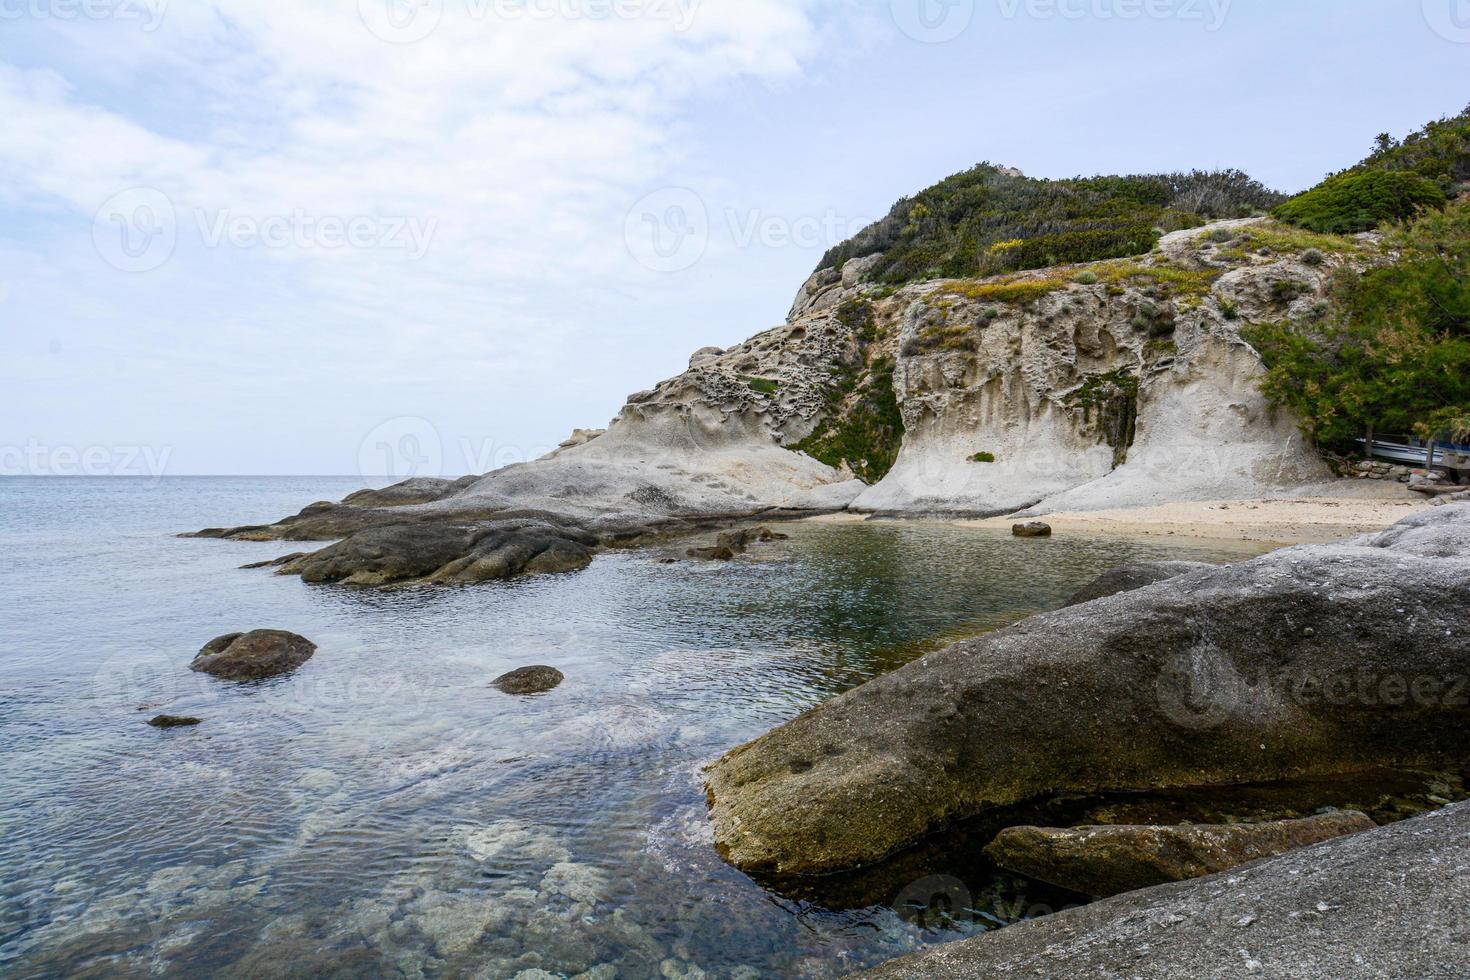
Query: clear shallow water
x,y
385,812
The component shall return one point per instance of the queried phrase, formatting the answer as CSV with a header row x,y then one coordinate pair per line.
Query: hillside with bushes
x,y
990,220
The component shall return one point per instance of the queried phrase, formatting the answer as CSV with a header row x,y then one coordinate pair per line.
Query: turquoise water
x,y
384,811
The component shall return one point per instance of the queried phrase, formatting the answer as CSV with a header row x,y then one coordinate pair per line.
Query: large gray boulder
x,y
1111,860
1309,661
1386,903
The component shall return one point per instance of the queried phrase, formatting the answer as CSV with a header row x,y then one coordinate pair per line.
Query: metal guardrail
x,y
1415,453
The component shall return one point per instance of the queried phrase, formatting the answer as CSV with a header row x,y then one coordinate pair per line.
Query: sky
x,y
394,237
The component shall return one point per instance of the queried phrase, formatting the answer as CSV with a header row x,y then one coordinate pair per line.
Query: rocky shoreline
x,y
1294,666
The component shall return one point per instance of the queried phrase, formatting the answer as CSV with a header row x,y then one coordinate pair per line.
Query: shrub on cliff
x,y
1398,179
988,220
1395,353
1352,203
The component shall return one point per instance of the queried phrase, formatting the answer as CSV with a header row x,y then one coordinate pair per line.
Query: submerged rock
x,y
1289,666
253,656
530,680
175,721
1384,903
1134,575
732,543
1108,861
1032,529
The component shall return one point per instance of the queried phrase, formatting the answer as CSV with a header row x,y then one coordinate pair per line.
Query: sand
x,y
1273,521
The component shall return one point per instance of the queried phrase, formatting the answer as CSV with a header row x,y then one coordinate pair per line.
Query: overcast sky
x,y
321,236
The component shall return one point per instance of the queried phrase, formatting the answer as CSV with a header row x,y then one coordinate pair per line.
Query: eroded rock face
x,y
1287,666
1134,575
529,680
253,656
1106,861
1384,903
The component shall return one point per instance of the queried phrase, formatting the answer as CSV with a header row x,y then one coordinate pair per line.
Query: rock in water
x,y
1212,680
1385,903
1107,861
175,721
253,656
1135,575
530,680
1032,529
733,543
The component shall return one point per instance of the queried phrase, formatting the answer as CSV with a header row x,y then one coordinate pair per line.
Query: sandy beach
x,y
1318,516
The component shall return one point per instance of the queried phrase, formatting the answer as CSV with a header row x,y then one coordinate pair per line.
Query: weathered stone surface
x,y
1386,903
175,721
1134,575
253,656
1106,861
448,553
529,680
420,490
1291,665
1032,529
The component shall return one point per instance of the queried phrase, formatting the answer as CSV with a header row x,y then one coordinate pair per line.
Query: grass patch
x,y
1283,238
983,458
763,385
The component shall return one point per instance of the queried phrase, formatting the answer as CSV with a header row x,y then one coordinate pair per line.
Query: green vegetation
x,y
1393,350
1395,182
988,221
1289,240
983,458
1361,202
763,385
863,426
859,317
1025,288
1113,399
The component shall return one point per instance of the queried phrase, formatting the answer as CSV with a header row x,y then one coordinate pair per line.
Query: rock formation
x,y
1385,903
1106,861
1106,384
1291,665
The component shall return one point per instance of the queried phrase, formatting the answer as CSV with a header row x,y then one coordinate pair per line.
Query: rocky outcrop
x,y
1134,575
1291,665
448,553
1105,385
1385,903
1032,529
421,490
529,680
1106,861
253,656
